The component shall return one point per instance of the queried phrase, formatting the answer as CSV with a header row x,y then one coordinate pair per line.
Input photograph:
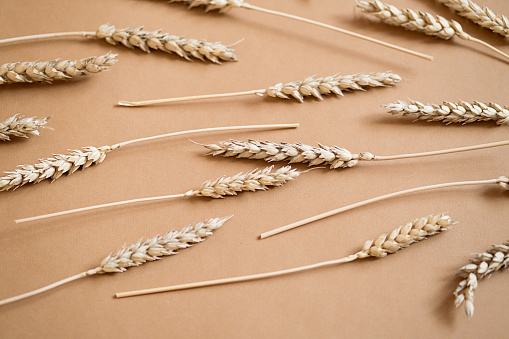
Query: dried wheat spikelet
x,y
185,48
226,5
255,180
140,253
502,181
21,126
309,87
333,156
398,239
147,40
481,266
48,71
452,112
54,167
483,16
414,20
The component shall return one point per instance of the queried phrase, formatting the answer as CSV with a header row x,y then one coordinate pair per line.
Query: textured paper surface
x,y
408,293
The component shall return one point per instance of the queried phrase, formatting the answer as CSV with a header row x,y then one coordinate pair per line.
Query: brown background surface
x,y
406,294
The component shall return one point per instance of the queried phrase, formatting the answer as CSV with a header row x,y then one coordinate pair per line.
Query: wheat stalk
x,y
481,266
452,112
423,22
309,87
226,5
333,156
53,168
398,239
255,180
483,16
21,127
140,253
185,48
145,40
47,71
501,181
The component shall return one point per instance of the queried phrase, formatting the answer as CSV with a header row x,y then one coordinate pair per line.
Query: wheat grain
x,y
141,252
423,22
53,168
481,266
185,48
48,71
311,86
21,127
255,180
398,239
335,157
210,5
483,16
452,112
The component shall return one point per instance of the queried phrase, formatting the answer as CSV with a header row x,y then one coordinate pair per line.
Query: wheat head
x,y
210,5
483,16
154,248
53,168
481,266
47,71
251,181
336,84
413,20
185,48
452,112
21,127
335,157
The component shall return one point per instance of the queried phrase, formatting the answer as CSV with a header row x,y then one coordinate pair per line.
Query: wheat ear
x,y
47,71
398,239
53,168
460,112
255,180
226,5
140,253
147,40
309,87
481,266
501,181
413,20
21,127
333,156
483,16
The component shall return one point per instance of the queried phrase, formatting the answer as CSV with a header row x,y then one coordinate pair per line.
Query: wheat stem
x,y
494,49
190,98
337,29
118,203
212,129
236,279
445,151
44,289
400,238
278,230
47,36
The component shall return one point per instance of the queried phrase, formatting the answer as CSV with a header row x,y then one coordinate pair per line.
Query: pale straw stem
x,y
190,98
446,151
44,289
212,129
47,36
369,201
496,50
337,29
236,279
118,203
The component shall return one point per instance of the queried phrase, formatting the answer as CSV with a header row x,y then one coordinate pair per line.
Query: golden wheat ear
x,y
482,265
140,253
21,127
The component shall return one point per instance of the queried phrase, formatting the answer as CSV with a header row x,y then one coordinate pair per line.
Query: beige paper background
x,y
406,294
